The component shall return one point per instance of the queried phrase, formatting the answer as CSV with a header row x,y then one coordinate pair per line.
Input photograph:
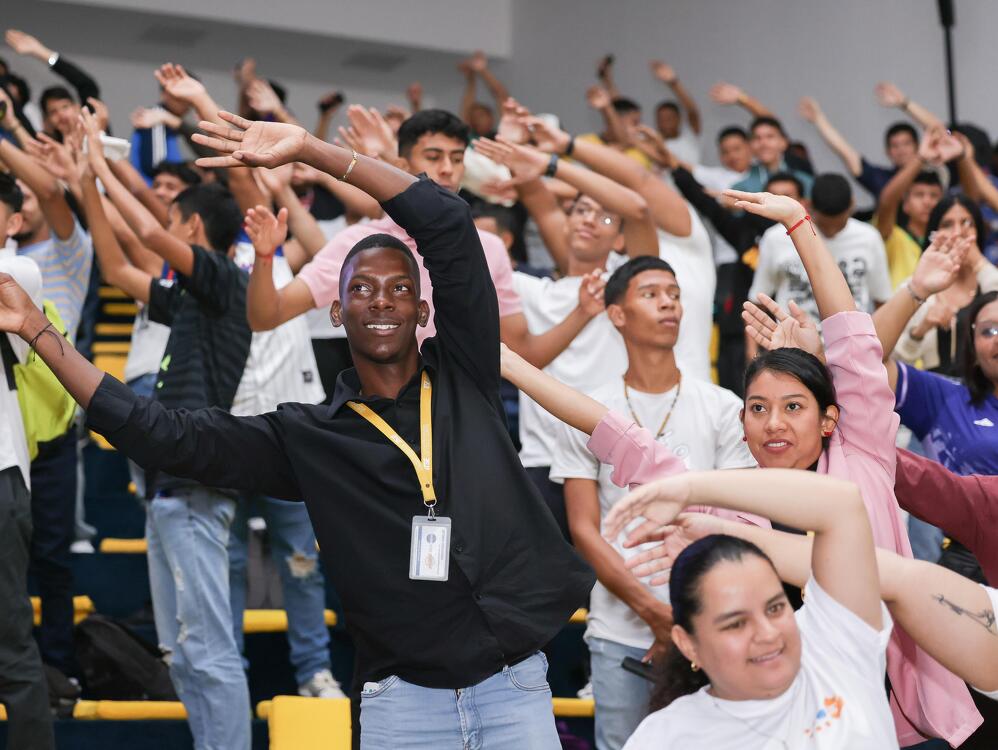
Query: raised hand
x,y
94,147
478,62
143,118
266,231
656,562
949,147
726,93
598,97
651,143
526,163
25,44
808,108
663,72
939,265
100,111
511,124
15,306
414,93
245,72
57,158
262,97
275,180
889,95
604,70
330,101
545,136
779,208
795,330
657,502
246,143
375,134
591,293
176,82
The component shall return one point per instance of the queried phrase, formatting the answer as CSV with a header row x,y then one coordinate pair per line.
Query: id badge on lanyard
x,y
429,550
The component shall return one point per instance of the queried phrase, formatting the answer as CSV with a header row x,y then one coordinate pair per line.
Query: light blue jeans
x,y
189,579
292,546
621,697
511,709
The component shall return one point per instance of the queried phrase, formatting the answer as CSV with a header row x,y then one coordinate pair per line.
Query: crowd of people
x,y
503,371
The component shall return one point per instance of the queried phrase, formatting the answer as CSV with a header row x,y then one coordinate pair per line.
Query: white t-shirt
x,y
595,357
993,594
693,262
685,146
13,443
704,431
836,702
858,249
281,364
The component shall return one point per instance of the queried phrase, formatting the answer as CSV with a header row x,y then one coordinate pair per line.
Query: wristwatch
x,y
53,59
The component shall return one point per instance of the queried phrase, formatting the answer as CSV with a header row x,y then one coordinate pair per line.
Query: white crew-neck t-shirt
x,y
703,431
836,702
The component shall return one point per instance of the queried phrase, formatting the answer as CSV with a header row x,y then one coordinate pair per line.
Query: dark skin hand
x,y
379,287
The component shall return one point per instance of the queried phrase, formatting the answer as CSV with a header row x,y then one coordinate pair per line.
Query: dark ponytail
x,y
675,678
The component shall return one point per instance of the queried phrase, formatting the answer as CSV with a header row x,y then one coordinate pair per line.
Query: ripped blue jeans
x,y
188,534
292,546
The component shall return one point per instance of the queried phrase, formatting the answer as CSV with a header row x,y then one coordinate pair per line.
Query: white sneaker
x,y
82,547
322,685
587,691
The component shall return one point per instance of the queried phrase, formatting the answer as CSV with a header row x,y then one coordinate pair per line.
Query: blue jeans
x,y
144,385
189,580
292,546
621,697
512,708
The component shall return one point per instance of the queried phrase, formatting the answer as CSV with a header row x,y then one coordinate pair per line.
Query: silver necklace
x,y
785,743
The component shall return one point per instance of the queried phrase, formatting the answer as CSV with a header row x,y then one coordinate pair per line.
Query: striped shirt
x,y
65,266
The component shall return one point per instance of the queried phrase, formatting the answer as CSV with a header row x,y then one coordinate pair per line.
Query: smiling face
x,y
768,145
592,231
441,157
379,305
735,153
650,311
745,636
62,115
783,422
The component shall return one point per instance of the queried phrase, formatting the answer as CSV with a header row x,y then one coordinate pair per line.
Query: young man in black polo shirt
x,y
447,657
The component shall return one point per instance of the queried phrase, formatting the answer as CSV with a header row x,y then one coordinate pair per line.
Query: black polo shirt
x,y
514,580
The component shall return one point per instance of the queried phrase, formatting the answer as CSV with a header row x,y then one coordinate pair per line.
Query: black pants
x,y
53,516
553,494
22,683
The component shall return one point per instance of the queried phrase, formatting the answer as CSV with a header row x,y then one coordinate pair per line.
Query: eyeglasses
x,y
987,331
585,211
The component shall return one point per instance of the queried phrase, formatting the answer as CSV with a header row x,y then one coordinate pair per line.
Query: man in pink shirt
x,y
431,141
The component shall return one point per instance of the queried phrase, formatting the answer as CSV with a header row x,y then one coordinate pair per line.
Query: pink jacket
x,y
927,699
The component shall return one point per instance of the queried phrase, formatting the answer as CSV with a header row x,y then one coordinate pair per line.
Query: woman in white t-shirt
x,y
747,672
951,617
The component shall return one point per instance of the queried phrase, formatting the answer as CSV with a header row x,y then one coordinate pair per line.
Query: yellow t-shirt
x,y
635,153
903,252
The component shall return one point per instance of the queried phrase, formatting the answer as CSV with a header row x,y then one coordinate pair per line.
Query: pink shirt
x,y
322,274
933,701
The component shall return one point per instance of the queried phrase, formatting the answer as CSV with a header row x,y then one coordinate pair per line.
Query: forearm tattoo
x,y
985,618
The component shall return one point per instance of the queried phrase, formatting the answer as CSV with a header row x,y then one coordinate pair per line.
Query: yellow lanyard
x,y
424,465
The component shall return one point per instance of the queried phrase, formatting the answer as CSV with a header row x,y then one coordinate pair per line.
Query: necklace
x,y
784,743
634,416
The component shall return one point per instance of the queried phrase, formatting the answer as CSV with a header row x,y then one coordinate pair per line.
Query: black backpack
x,y
118,665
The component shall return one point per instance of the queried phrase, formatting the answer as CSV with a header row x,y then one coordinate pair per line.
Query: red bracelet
x,y
807,218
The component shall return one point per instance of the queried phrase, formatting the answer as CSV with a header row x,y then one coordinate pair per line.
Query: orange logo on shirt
x,y
831,711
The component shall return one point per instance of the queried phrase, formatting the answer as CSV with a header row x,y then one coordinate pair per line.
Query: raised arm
x,y
937,269
25,44
46,188
667,75
469,91
812,112
601,100
114,266
528,164
667,207
547,213
843,559
893,193
890,96
729,93
129,176
146,226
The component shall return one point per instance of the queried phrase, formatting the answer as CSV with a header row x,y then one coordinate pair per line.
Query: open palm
x,y
940,264
793,330
250,143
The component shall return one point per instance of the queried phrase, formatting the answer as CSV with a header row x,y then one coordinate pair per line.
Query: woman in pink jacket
x,y
835,417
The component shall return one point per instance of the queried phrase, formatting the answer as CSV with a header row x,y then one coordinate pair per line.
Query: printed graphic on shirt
x,y
829,713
